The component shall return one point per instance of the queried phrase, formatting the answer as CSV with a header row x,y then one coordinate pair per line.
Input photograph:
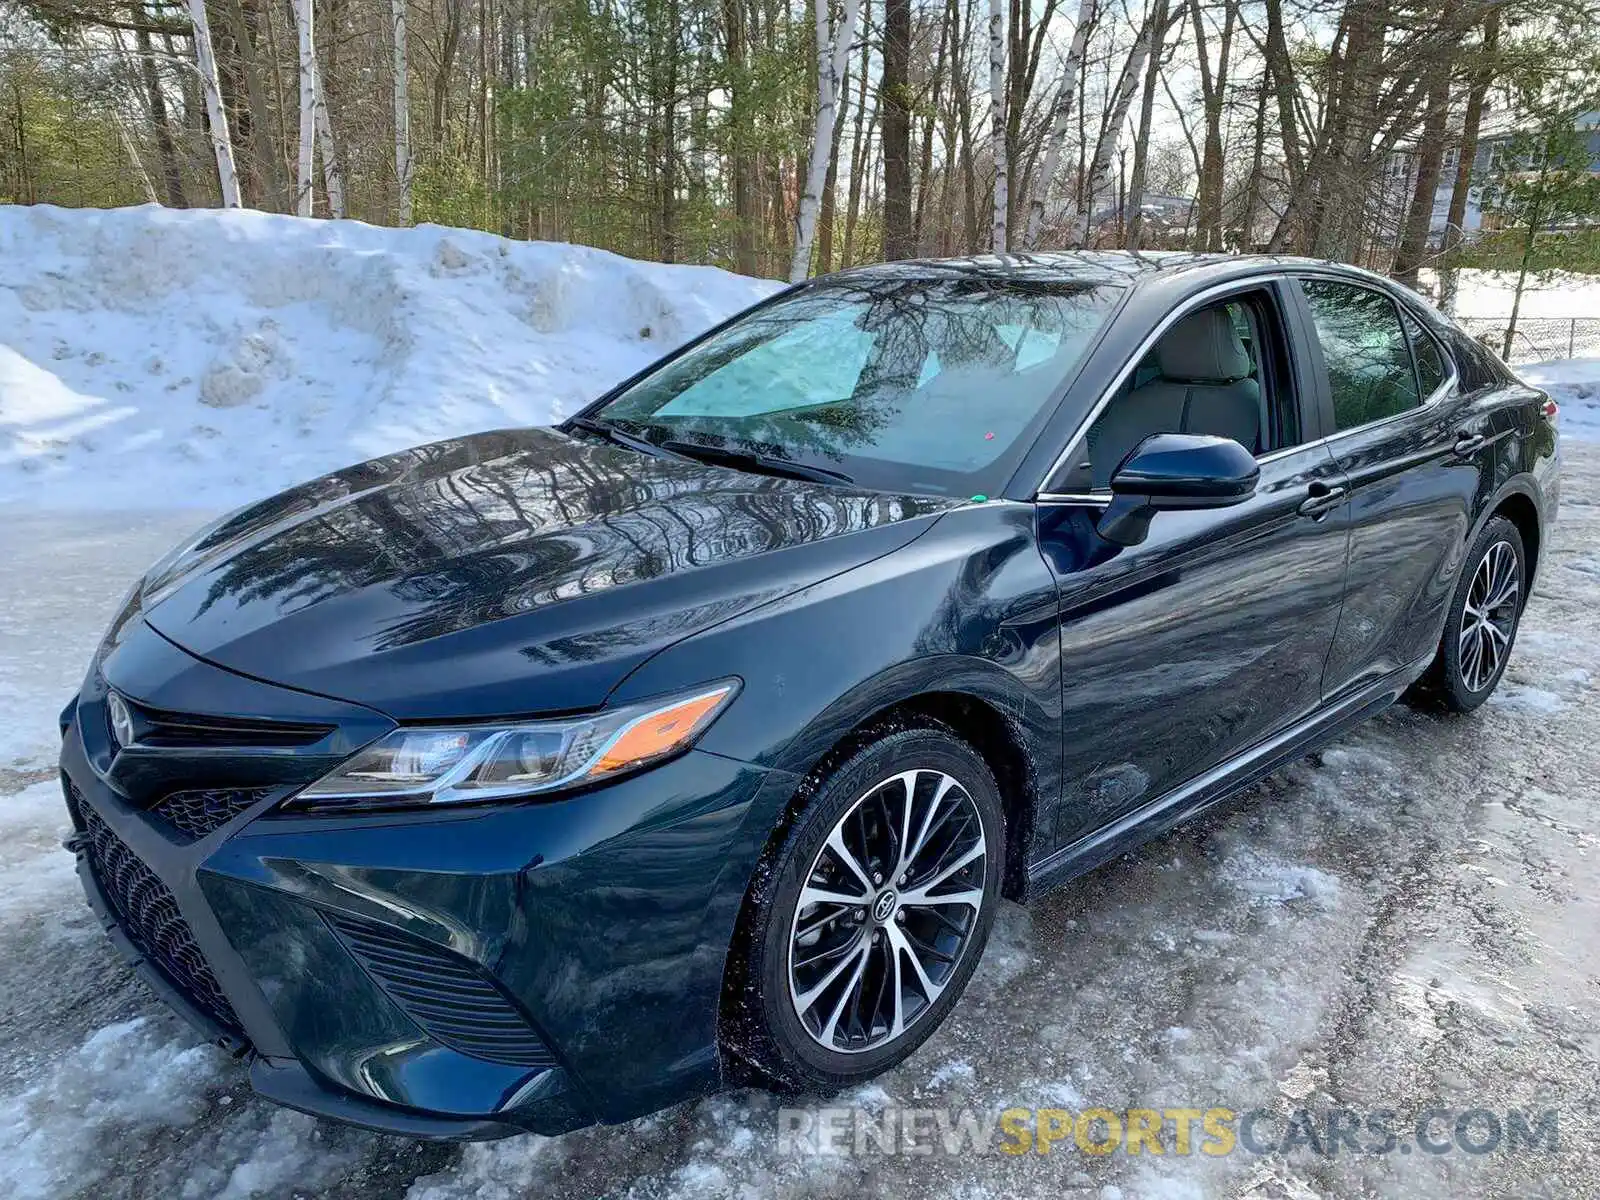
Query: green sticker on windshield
x,y
980,498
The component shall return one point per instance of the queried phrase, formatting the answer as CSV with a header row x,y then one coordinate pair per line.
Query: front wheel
x,y
1482,624
876,912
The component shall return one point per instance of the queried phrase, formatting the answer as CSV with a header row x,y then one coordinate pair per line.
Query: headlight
x,y
448,765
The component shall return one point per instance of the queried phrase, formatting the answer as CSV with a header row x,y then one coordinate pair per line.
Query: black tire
x,y
785,1045
1458,680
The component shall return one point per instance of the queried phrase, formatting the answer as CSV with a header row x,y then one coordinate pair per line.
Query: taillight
x,y
1550,408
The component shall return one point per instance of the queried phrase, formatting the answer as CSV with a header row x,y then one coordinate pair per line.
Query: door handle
x,y
1467,444
1322,499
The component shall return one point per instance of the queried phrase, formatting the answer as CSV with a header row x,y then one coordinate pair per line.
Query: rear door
x,y
1414,454
1211,635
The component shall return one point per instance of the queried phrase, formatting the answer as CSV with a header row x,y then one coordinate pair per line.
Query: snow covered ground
x,y
1407,920
1556,294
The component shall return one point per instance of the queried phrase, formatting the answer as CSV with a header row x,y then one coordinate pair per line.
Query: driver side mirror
x,y
1170,472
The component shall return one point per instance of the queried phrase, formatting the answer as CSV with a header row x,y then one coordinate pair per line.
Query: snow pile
x,y
124,1077
1574,384
153,358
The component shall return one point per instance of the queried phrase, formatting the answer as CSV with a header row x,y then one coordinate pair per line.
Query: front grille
x,y
156,727
198,813
453,999
148,913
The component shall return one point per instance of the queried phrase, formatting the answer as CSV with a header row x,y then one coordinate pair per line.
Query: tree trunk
x,y
895,89
833,50
859,150
1472,120
1252,188
221,145
1111,127
332,176
925,165
1213,90
402,115
307,67
741,164
1413,245
156,97
1134,203
260,132
997,123
828,212
1060,121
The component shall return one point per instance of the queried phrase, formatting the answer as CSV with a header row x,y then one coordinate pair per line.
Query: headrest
x,y
1204,347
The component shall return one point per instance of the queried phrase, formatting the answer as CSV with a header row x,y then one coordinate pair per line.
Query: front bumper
x,y
455,973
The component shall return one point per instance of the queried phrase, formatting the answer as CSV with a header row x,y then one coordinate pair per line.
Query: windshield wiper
x,y
754,460
616,436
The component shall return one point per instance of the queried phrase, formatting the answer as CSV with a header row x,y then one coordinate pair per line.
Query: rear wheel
x,y
1482,625
880,901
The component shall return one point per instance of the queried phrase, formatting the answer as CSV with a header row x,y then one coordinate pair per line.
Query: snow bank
x,y
154,358
1574,384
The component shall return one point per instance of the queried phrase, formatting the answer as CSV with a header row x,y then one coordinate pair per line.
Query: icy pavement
x,y
1411,920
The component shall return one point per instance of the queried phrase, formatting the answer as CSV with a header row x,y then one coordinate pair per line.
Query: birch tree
x,y
833,50
221,142
1115,118
1060,120
997,125
402,114
332,177
308,106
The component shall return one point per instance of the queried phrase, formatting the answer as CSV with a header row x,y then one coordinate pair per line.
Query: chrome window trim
x,y
1103,496
1198,300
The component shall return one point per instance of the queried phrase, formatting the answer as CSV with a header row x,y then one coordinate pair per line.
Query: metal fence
x,y
1538,338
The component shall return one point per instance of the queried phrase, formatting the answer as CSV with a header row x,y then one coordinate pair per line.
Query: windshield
x,y
902,384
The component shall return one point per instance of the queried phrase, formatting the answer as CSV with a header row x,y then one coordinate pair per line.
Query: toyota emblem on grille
x,y
121,719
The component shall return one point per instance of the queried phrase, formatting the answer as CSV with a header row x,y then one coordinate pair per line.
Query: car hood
x,y
502,573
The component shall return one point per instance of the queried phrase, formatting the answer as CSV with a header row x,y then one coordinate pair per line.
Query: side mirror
x,y
1169,472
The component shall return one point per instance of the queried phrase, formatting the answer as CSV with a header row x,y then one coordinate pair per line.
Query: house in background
x,y
1400,178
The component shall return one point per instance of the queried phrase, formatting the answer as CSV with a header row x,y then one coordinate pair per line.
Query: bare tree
x,y
304,27
1141,146
895,93
1116,116
221,142
997,135
402,114
1060,120
833,51
332,178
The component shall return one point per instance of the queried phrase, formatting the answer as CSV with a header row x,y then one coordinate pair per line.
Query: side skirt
x,y
1219,783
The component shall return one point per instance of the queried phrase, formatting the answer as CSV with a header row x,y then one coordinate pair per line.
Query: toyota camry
x,y
549,776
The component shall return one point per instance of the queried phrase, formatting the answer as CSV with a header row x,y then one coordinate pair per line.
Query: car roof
x,y
1086,266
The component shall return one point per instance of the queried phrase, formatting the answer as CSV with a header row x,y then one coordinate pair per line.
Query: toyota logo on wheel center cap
x,y
885,906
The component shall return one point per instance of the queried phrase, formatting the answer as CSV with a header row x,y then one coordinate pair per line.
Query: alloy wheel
x,y
1490,616
887,911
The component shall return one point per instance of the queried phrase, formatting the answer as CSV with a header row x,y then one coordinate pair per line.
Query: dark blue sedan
x,y
551,776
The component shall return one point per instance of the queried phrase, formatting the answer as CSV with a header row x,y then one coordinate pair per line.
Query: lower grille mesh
x,y
198,813
450,997
148,913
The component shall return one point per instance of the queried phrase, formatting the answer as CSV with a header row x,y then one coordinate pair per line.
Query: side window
x,y
1220,370
1431,369
1366,352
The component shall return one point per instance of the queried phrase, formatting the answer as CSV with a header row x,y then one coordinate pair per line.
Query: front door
x,y
1211,635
